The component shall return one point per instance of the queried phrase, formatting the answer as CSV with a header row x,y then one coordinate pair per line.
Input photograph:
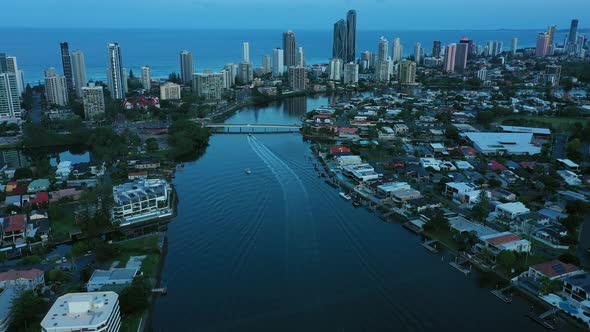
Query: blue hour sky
x,y
295,14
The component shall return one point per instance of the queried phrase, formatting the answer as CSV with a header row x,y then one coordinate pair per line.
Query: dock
x,y
430,245
458,264
161,290
412,227
500,294
541,319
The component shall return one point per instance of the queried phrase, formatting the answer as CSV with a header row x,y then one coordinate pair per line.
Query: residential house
x,y
512,210
553,270
64,168
13,227
101,278
499,242
38,185
29,279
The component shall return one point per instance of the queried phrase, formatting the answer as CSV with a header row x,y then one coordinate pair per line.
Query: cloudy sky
x,y
295,14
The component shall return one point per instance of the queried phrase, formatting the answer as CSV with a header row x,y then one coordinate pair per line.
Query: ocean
x,y
37,49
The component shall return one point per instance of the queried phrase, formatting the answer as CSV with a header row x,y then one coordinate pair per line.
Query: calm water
x,y
37,49
279,250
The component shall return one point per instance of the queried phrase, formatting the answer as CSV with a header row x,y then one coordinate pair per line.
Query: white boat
x,y
248,171
345,196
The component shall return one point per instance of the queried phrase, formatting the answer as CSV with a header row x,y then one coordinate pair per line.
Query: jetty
x,y
542,318
430,245
501,295
161,290
458,262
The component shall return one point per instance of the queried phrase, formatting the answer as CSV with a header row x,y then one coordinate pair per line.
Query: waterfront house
x,y
576,289
361,172
348,160
420,204
499,242
553,270
29,279
38,185
102,278
339,150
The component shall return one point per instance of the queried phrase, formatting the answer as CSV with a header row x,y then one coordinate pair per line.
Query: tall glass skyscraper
x,y
66,62
351,36
116,76
339,43
289,49
186,67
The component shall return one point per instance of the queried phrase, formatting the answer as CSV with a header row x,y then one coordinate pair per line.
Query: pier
x,y
500,294
458,264
430,245
161,290
542,318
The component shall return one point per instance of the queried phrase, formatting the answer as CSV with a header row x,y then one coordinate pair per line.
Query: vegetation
x,y
135,298
26,308
187,139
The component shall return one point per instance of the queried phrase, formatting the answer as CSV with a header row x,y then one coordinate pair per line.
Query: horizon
x,y
307,14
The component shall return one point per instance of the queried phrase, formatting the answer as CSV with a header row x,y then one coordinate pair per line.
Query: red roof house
x,y
554,269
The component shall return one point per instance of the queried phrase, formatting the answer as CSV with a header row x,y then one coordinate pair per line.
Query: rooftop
x,y
80,310
501,238
533,130
555,268
14,275
103,276
511,143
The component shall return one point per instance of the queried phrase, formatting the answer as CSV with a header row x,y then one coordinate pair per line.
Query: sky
x,y
295,14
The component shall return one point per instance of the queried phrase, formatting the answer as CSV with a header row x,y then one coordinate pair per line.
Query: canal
x,y
279,250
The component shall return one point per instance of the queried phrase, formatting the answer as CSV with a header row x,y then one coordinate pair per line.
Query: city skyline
x,y
375,15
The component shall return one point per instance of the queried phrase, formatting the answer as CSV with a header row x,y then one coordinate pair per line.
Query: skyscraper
x,y
461,54
79,71
407,72
351,73
266,64
230,78
246,52
383,46
436,49
186,67
289,49
93,99
514,46
335,69
56,88
542,43
339,41
67,64
116,76
366,60
396,50
278,67
9,97
208,85
300,58
146,77
418,53
350,36
449,62
3,65
551,34
245,72
297,78
572,36
12,67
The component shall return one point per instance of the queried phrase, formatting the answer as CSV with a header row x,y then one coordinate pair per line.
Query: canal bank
x,y
278,249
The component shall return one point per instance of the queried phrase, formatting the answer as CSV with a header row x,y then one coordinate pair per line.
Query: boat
x,y
248,171
180,167
356,203
345,196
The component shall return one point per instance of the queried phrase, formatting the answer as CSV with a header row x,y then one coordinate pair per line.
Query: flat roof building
x,y
141,199
101,278
97,311
503,143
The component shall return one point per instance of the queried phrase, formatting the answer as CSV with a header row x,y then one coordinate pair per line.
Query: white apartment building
x,y
95,311
141,199
170,91
93,99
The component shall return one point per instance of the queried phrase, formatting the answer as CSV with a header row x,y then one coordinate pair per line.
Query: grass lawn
x,y
445,237
130,323
559,123
145,246
64,224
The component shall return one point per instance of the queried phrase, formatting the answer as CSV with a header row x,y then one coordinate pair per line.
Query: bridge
x,y
247,128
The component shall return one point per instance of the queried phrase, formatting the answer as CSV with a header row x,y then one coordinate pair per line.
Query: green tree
x,y
152,145
572,149
58,275
187,138
481,209
26,308
507,259
135,298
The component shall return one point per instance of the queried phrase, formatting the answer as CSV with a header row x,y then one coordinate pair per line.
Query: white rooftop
x,y
463,186
510,143
533,130
568,163
80,310
514,208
